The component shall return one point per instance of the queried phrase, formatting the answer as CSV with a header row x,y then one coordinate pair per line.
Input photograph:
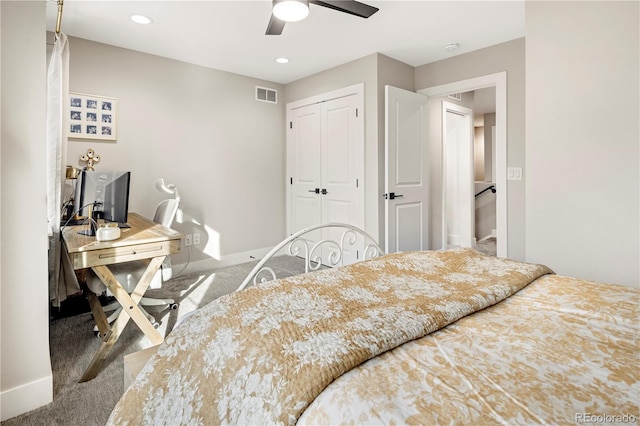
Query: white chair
x,y
129,273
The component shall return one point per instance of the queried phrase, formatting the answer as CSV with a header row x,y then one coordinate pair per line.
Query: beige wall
x,y
507,57
582,174
199,128
25,371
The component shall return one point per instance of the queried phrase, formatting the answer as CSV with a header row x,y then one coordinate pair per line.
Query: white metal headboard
x,y
298,245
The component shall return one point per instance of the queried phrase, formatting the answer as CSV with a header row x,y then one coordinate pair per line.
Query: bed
x,y
433,337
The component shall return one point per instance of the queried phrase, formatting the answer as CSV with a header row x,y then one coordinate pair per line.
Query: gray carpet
x,y
487,246
73,344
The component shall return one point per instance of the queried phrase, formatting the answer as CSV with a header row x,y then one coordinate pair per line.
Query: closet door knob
x,y
392,196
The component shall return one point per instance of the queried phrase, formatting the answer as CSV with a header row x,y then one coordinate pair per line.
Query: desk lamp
x,y
71,173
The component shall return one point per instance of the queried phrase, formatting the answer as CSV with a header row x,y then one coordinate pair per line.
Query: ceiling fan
x,y
295,10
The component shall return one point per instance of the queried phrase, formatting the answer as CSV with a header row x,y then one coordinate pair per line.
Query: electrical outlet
x,y
188,239
196,239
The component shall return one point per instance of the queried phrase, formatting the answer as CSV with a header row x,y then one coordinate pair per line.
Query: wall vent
x,y
456,96
265,94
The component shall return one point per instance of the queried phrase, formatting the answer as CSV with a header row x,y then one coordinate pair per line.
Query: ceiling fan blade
x,y
275,26
351,7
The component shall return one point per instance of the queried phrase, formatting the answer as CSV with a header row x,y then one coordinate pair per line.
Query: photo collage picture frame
x,y
92,117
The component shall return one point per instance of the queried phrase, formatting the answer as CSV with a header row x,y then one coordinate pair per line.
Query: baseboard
x,y
27,397
228,260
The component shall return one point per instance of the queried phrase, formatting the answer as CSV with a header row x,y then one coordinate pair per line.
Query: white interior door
x,y
304,153
406,171
342,167
457,148
325,163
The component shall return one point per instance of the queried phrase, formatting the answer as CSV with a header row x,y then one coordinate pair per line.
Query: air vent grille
x,y
456,96
265,94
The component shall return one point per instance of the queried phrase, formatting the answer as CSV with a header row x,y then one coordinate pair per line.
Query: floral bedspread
x,y
262,355
560,351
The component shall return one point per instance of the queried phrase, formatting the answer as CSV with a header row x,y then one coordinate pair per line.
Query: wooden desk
x,y
144,240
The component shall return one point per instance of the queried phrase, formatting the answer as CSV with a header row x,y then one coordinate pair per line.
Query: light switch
x,y
514,173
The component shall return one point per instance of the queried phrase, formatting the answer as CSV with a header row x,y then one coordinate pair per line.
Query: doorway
x,y
499,163
484,110
469,194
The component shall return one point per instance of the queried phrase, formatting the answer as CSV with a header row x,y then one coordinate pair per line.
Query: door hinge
x,y
291,181
356,112
356,183
291,124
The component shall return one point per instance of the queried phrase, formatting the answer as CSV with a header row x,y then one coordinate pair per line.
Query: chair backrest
x,y
166,211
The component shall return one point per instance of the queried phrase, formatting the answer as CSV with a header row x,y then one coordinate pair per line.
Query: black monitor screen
x,y
106,192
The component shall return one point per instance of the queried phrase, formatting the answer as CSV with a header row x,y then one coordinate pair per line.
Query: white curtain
x,y
57,114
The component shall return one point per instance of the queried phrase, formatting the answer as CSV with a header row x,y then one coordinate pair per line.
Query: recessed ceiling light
x,y
141,19
450,47
282,60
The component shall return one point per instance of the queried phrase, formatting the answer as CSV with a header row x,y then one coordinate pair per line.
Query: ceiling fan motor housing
x,y
300,9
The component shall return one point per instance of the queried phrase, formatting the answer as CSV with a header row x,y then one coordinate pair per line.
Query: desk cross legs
x,y
130,311
144,239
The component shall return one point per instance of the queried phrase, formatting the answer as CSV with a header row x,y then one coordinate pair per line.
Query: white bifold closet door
x,y
325,161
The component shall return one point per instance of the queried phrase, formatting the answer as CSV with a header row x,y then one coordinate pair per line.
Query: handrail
x,y
492,188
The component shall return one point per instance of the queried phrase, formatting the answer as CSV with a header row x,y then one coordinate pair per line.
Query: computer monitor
x,y
103,195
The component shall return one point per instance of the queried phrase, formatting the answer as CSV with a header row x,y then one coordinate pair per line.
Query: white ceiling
x,y
229,35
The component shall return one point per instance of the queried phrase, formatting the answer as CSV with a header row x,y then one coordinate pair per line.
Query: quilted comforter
x,y
296,350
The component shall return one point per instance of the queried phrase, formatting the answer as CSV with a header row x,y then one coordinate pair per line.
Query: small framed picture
x,y
92,117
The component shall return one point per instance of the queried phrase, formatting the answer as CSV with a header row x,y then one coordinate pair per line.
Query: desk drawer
x,y
109,256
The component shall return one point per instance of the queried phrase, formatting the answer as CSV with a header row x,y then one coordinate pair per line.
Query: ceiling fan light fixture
x,y
290,10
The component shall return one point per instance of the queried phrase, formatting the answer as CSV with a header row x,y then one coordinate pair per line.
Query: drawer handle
x,y
133,252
